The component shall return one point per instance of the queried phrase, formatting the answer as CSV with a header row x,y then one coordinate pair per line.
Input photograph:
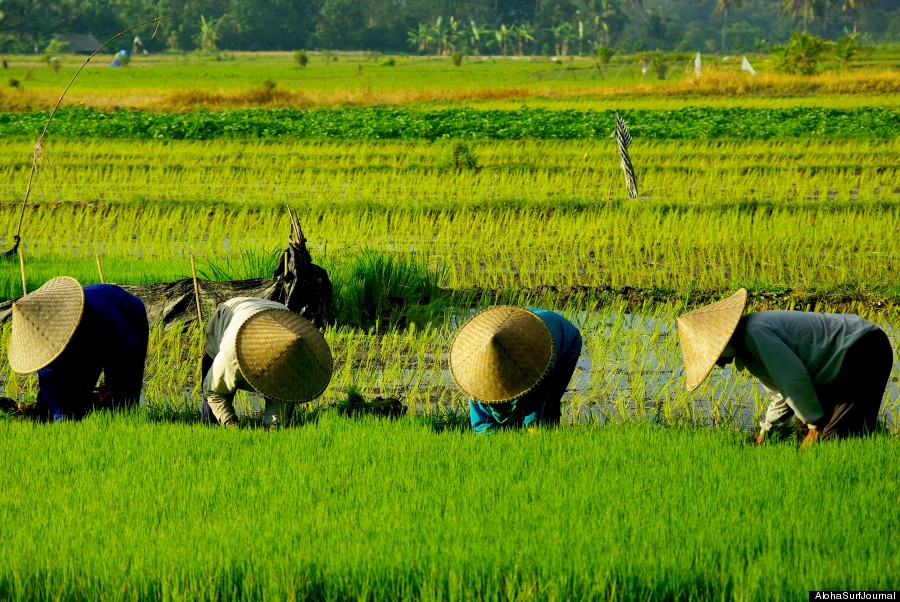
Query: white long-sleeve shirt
x,y
792,353
224,377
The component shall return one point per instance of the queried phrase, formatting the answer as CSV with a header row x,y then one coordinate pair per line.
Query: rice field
x,y
645,492
122,508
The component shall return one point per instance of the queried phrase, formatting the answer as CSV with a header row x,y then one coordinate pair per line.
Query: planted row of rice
x,y
676,247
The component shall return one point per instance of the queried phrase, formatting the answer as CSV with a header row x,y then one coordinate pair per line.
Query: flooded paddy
x,y
630,369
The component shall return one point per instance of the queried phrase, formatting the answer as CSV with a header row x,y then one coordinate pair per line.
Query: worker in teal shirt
x,y
515,364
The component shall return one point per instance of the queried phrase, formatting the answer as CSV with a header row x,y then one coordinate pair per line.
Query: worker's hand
x,y
761,438
104,397
811,437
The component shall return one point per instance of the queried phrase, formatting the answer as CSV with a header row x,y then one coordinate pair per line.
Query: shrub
x,y
457,156
846,48
302,58
604,55
457,58
801,54
55,47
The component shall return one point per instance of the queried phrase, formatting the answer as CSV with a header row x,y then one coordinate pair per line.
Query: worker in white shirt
x,y
827,371
258,344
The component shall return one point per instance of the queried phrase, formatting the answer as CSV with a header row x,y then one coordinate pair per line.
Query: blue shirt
x,y
111,337
532,407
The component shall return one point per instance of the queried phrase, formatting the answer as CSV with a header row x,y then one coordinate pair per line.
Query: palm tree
x,y
420,38
208,36
502,35
476,34
523,33
723,6
440,35
856,7
811,9
455,34
563,34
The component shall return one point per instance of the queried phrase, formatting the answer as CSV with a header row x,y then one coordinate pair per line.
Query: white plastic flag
x,y
746,66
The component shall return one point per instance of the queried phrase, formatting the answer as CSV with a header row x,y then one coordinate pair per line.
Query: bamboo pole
x,y
196,290
22,268
37,151
100,268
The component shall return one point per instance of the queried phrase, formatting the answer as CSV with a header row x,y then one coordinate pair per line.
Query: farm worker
x,y
69,335
827,371
514,364
258,344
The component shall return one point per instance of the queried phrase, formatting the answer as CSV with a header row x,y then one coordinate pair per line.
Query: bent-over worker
x,y
69,335
258,344
827,371
515,365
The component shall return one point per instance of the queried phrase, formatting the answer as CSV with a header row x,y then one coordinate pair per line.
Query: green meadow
x,y
428,191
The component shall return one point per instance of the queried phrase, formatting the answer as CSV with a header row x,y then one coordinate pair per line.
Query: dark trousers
x,y
206,413
852,400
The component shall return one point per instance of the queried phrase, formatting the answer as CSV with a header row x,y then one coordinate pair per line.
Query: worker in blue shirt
x,y
69,335
515,365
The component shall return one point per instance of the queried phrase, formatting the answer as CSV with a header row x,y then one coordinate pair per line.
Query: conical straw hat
x,y
501,353
43,323
704,333
283,356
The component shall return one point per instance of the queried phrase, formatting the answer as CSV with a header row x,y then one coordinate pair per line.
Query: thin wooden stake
x,y
285,264
100,269
196,290
22,268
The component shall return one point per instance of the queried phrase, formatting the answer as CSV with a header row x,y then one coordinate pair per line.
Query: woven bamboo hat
x,y
283,356
43,323
704,333
501,353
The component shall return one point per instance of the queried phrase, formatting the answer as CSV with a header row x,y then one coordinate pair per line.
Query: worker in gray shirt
x,y
827,371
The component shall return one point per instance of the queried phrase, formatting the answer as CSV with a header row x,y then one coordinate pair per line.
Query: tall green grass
x,y
115,508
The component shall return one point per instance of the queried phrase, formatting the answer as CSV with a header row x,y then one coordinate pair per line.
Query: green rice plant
x,y
248,264
393,510
372,287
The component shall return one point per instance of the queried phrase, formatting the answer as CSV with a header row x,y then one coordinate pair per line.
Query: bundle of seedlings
x,y
356,405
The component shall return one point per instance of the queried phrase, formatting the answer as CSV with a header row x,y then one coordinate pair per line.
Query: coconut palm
x,y
523,33
502,34
723,6
208,36
563,34
856,7
607,18
420,37
478,36
811,9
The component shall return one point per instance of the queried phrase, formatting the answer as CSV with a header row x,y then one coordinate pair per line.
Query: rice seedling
x,y
344,506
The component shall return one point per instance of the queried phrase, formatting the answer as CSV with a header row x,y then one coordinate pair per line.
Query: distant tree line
x,y
546,27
